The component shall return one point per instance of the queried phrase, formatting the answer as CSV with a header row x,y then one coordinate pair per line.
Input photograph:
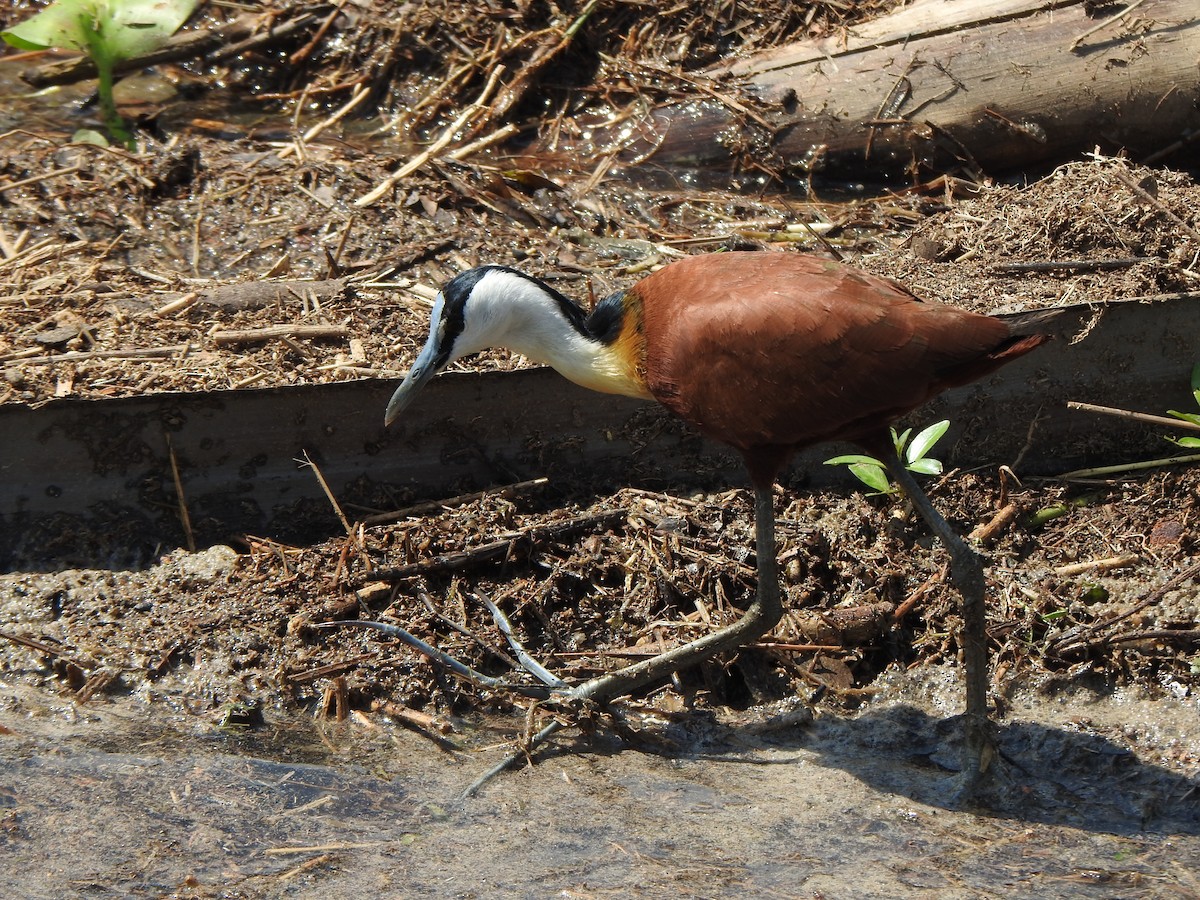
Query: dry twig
x,y
442,141
277,332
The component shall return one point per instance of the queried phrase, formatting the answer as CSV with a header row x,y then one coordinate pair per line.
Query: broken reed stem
x,y
505,548
95,684
356,539
52,651
919,594
184,518
1149,419
42,250
360,94
319,848
1155,595
78,355
1079,265
429,727
327,670
337,508
302,54
1129,467
336,256
1104,23
436,506
1099,565
513,758
1076,639
34,179
991,529
1141,193
443,140
480,143
416,717
179,304
274,332
9,249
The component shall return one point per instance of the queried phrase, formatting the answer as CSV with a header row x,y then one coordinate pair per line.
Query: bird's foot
x,y
987,779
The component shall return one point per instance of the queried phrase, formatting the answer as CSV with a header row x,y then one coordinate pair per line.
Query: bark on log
x,y
991,84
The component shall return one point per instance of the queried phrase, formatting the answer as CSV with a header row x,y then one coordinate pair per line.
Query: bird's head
x,y
490,306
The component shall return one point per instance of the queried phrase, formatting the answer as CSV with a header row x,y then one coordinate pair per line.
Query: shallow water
x,y
124,799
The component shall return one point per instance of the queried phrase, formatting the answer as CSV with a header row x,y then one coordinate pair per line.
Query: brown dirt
x,y
125,273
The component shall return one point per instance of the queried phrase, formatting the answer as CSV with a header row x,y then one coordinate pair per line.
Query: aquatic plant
x,y
108,31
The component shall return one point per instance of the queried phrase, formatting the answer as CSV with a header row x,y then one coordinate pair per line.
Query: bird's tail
x,y
1033,321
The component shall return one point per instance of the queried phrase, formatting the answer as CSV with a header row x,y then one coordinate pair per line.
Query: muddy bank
x,y
1089,580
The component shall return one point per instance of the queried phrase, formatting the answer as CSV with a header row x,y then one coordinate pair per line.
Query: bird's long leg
x,y
762,615
966,567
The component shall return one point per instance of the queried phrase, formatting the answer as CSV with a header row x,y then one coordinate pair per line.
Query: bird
x,y
766,352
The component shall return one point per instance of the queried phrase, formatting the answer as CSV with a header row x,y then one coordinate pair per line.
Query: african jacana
x,y
766,352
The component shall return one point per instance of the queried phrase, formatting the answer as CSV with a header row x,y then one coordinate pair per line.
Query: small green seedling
x,y
873,473
108,31
1194,418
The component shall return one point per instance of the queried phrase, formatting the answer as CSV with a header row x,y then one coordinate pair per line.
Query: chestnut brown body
x,y
769,352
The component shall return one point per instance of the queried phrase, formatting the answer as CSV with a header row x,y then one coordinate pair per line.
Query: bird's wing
x,y
798,351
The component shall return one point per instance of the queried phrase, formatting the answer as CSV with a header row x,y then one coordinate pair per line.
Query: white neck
x,y
507,310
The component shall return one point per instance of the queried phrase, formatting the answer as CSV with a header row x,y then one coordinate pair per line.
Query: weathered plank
x,y
952,83
75,463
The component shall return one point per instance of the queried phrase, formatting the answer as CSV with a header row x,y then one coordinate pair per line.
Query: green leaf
x,y
925,440
900,439
89,136
140,26
873,476
852,459
107,31
1185,441
925,466
66,24
103,29
1194,418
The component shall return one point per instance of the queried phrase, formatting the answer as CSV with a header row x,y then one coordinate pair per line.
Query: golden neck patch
x,y
615,365
630,345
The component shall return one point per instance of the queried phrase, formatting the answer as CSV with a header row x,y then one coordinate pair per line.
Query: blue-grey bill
x,y
412,384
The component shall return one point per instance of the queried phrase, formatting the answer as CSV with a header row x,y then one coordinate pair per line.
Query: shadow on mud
x,y
1047,774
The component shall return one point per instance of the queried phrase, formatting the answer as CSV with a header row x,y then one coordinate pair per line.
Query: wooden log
x,y
111,480
986,84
